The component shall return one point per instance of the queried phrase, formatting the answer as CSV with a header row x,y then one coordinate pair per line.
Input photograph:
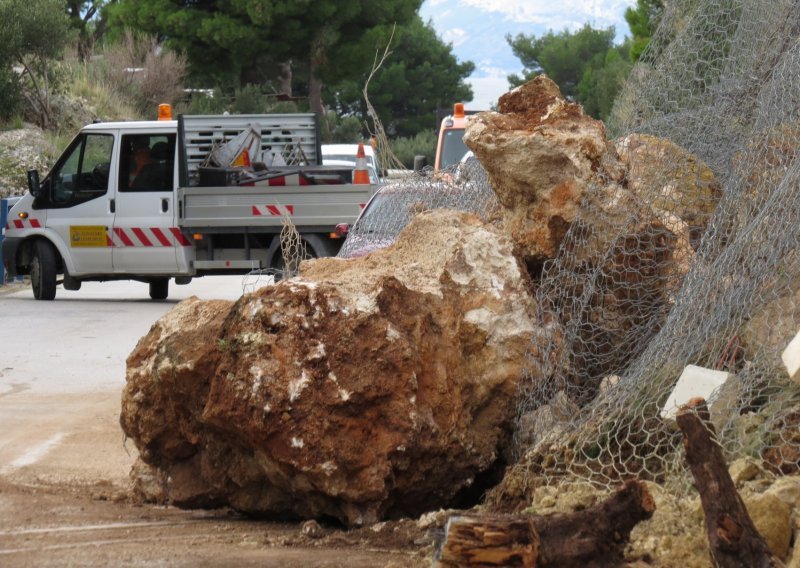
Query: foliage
x,y
325,48
232,44
422,144
420,75
585,65
26,45
86,80
563,56
10,98
342,129
219,39
137,70
643,19
600,83
88,18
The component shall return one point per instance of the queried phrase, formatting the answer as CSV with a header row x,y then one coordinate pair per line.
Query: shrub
x,y
341,129
138,70
424,143
10,98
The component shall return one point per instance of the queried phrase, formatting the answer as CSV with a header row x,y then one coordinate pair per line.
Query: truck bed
x,y
261,208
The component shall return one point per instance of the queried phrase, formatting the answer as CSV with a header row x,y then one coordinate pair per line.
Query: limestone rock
x,y
681,188
565,193
772,518
541,152
743,470
787,489
363,389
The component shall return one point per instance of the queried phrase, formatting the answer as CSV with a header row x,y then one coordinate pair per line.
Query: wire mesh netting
x,y
700,268
463,188
717,289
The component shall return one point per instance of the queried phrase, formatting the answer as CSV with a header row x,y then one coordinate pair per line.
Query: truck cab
x,y
450,147
106,209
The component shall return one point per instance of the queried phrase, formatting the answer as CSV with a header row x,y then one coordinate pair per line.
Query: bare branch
x,y
385,154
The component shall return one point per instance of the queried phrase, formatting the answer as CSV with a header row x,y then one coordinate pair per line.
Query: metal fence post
x,y
3,216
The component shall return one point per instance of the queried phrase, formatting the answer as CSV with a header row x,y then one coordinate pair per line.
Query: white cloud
x,y
456,36
487,70
556,15
486,91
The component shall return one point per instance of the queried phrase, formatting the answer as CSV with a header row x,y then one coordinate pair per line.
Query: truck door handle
x,y
112,205
164,204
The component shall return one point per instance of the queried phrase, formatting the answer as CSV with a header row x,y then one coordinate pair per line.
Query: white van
x,y
347,153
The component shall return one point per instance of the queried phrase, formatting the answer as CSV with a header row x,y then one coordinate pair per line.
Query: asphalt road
x,y
79,341
62,370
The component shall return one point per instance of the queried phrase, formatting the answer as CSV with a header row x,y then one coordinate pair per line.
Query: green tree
x,y
346,35
643,19
563,56
586,65
88,17
420,75
232,43
227,43
601,82
34,52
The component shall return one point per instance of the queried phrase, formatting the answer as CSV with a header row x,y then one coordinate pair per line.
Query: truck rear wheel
x,y
43,271
159,289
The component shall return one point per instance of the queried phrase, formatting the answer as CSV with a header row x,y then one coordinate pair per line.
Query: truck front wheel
x,y
43,271
159,289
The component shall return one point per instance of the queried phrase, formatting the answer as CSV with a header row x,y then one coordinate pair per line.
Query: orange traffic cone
x,y
361,175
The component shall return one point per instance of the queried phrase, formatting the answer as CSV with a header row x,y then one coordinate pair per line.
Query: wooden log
x,y
594,537
733,540
489,540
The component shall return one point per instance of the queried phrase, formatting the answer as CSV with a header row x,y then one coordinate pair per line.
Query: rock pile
x,y
364,389
382,386
624,220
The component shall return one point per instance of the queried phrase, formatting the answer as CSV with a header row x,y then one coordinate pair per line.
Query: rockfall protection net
x,y
720,289
704,271
463,188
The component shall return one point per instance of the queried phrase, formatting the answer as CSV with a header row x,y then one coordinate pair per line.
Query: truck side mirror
x,y
34,187
419,163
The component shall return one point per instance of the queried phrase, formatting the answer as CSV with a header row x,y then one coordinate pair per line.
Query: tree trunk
x,y
593,538
285,79
733,539
317,60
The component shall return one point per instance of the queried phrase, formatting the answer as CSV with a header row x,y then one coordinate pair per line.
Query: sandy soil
x,y
64,501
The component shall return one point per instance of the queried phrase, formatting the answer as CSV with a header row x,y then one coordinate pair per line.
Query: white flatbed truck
x,y
102,213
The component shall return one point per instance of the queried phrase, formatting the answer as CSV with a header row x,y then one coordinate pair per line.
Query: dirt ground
x,y
64,501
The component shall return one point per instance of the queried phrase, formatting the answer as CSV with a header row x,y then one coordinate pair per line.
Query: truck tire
x,y
314,246
159,289
43,271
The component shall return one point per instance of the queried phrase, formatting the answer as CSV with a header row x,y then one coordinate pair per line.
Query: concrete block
x,y
694,381
791,358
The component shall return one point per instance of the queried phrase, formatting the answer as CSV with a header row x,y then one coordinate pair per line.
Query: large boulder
x,y
621,247
363,389
541,153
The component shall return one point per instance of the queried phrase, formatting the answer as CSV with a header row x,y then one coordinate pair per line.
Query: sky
x,y
477,30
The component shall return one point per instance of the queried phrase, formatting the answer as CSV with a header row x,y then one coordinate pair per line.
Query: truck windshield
x,y
453,148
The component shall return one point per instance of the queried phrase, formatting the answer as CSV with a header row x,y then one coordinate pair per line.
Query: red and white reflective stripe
x,y
272,210
24,224
291,179
147,237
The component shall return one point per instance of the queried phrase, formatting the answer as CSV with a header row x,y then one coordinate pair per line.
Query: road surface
x,y
64,462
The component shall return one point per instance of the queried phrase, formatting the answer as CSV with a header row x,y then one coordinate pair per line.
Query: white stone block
x,y
791,358
694,382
